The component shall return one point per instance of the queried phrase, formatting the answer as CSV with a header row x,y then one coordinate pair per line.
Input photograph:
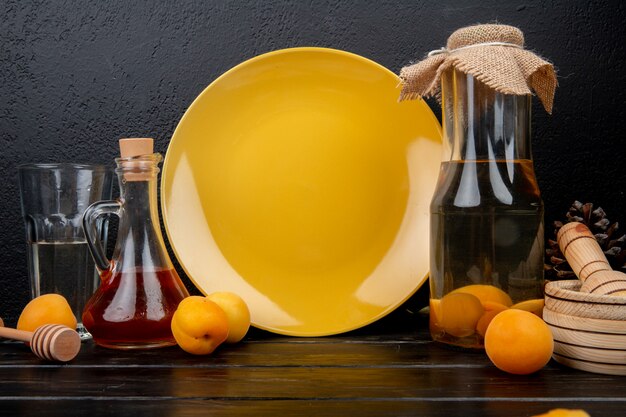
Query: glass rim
x,y
62,165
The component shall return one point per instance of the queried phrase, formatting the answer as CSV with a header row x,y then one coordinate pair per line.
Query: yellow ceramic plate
x,y
298,181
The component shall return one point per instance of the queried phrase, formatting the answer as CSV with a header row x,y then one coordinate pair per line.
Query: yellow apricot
x,y
459,314
237,312
534,306
486,293
491,310
46,309
563,412
518,342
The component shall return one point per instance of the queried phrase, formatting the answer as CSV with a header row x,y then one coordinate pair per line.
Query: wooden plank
x,y
268,353
409,407
306,383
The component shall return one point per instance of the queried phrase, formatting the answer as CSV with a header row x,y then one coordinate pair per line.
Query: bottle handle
x,y
90,226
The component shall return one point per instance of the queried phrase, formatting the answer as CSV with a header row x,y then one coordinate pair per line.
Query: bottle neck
x,y
140,242
138,189
482,124
139,199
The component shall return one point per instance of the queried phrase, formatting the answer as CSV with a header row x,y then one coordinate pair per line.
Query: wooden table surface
x,y
368,372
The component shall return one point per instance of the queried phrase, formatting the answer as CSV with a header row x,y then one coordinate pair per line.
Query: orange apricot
x,y
459,313
492,305
491,310
486,293
518,342
46,309
534,306
434,318
199,325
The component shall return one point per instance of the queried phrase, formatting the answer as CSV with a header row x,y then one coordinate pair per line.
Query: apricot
x,y
486,293
518,342
534,306
491,310
434,318
46,309
563,412
459,313
236,311
199,325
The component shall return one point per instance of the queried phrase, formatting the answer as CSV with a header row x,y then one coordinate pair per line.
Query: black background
x,y
77,75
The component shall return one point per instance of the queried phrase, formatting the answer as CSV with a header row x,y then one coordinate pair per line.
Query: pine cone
x,y
556,266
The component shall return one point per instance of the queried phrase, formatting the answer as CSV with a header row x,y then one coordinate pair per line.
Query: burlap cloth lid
x,y
493,54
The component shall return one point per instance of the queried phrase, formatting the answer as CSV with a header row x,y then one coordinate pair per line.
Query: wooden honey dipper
x,y
52,342
588,262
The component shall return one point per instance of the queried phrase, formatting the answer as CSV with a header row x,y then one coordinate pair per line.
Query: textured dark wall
x,y
77,75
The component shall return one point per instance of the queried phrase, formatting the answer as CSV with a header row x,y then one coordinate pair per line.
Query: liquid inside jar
x,y
487,243
133,310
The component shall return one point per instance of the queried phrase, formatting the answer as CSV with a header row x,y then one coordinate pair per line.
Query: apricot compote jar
x,y
486,234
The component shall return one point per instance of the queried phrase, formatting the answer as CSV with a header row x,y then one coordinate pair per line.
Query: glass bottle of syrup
x,y
486,213
139,290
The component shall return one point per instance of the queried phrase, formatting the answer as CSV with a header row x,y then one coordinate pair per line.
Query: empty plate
x,y
298,181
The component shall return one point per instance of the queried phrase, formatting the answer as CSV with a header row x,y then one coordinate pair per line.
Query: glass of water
x,y
54,198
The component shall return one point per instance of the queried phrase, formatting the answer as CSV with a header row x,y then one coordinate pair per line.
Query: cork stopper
x,y
130,147
136,169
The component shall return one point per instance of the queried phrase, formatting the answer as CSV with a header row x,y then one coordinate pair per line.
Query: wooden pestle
x,y
53,342
588,262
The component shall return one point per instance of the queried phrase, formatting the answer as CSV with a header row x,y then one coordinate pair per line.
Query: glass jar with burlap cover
x,y
486,215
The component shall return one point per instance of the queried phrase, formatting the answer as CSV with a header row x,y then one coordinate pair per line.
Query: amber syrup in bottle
x,y
126,310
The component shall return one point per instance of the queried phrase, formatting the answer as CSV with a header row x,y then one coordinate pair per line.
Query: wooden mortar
x,y
589,329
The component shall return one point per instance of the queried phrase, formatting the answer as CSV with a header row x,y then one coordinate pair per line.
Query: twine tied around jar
x,y
494,55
